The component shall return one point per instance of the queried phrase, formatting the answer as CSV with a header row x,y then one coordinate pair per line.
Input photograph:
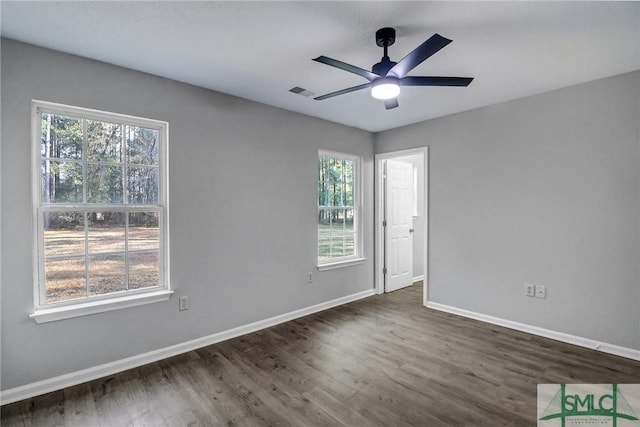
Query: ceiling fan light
x,y
385,88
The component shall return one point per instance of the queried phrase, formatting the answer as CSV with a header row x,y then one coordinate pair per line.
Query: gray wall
x,y
546,190
242,213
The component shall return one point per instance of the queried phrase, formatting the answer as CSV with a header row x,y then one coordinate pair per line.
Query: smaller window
x,y
338,208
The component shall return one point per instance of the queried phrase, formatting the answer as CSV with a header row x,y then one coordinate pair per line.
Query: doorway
x,y
401,220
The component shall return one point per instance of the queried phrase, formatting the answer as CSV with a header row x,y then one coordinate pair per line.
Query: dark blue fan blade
x,y
391,103
347,67
435,81
342,92
419,54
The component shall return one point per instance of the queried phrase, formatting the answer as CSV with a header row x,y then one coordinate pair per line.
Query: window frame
x,y
58,310
358,256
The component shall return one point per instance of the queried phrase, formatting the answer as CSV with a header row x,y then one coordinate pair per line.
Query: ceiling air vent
x,y
301,91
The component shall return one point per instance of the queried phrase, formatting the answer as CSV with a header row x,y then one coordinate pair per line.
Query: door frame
x,y
379,216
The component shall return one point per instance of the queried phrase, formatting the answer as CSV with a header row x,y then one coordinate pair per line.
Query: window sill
x,y
84,309
340,264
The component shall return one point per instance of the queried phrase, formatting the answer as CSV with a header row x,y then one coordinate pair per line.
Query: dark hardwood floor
x,y
382,361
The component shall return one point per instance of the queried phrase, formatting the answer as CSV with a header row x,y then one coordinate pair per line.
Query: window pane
x,y
337,245
349,244
324,233
104,184
323,191
337,233
335,182
348,183
143,270
63,233
61,137
106,232
65,279
104,141
106,274
61,182
142,145
349,215
348,233
335,194
324,218
143,231
324,249
142,185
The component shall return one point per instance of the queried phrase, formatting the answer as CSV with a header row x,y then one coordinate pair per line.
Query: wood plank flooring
x,y
382,361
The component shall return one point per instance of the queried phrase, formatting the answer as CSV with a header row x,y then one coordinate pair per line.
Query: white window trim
x,y
358,258
332,265
43,313
86,308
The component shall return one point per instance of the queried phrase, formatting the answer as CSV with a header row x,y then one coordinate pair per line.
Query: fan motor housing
x,y
383,67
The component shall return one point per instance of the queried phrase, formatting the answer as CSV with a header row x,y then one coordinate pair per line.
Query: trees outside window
x,y
338,207
100,204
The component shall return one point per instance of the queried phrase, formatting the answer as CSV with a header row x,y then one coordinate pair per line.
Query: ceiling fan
x,y
386,77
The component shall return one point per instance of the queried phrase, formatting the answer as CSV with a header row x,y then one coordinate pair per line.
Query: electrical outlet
x,y
310,277
541,291
184,303
529,290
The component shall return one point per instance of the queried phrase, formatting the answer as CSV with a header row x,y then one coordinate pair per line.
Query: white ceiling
x,y
259,50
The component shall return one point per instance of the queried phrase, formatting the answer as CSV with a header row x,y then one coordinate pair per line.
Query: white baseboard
x,y
418,278
84,375
629,353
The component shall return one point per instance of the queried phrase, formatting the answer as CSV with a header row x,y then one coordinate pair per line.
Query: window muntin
x,y
338,208
100,205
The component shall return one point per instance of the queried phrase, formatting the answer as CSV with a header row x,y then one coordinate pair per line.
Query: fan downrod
x,y
385,37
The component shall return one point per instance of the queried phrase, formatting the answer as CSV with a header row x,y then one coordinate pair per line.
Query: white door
x,y
399,222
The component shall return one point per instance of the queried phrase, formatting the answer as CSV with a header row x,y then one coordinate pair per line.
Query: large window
x,y
100,205
338,208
